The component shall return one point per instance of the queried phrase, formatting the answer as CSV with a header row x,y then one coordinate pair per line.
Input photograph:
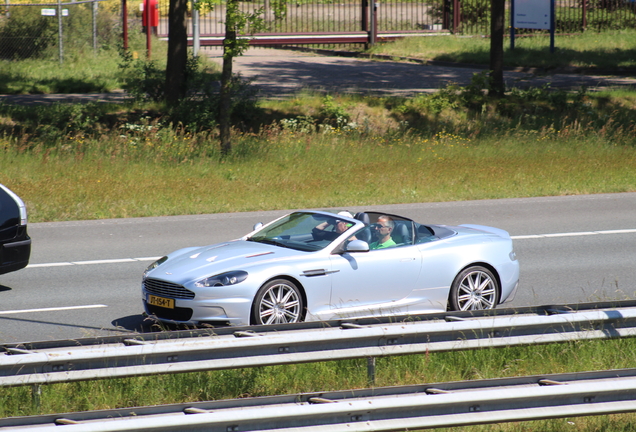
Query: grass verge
x,y
607,51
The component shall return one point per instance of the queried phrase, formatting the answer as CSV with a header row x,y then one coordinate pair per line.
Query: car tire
x,y
279,301
474,288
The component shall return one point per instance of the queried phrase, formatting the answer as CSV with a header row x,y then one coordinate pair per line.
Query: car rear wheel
x,y
278,302
474,288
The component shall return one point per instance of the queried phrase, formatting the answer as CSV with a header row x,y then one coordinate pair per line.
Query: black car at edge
x,y
15,243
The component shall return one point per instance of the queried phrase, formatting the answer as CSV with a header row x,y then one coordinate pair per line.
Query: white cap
x,y
345,214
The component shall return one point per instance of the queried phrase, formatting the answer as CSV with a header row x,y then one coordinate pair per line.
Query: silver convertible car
x,y
316,265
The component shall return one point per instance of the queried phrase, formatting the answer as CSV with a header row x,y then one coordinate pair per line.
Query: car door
x,y
377,282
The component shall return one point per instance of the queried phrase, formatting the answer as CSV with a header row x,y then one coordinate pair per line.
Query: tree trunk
x,y
177,51
497,86
225,99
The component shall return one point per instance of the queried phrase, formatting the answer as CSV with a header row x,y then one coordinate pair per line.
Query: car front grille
x,y
176,314
167,289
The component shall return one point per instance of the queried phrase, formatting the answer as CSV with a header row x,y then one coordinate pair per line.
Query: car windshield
x,y
301,231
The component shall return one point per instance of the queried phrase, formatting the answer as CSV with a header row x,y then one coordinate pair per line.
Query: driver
x,y
383,230
339,227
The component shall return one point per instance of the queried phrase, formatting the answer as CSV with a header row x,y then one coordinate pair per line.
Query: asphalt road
x,y
84,278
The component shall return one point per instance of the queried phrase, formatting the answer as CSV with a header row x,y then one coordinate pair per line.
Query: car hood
x,y
206,261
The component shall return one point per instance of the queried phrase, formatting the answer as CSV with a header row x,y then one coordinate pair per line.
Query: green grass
x,y
79,73
316,152
300,172
607,51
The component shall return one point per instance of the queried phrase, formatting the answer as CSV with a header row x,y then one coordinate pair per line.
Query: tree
x,y
177,51
235,22
497,8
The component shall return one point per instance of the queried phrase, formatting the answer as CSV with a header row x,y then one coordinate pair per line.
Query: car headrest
x,y
363,217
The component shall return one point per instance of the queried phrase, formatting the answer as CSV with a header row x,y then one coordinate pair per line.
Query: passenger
x,y
383,230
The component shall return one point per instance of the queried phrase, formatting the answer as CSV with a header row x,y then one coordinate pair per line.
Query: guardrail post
x,y
36,396
371,370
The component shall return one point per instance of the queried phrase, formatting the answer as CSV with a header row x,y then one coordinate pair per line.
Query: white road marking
x,y
19,311
574,234
108,261
519,237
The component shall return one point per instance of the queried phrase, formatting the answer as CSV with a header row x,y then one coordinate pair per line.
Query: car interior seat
x,y
365,234
401,234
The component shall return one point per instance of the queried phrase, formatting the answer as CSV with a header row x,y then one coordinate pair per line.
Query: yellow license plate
x,y
161,301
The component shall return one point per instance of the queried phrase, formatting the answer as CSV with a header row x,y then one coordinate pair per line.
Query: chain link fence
x,y
50,30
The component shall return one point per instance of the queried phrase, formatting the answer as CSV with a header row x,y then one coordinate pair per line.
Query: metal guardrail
x,y
66,361
379,409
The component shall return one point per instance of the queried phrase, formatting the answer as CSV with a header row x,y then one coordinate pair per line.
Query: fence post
x,y
364,22
124,24
457,13
373,24
196,30
59,30
95,5
36,396
148,13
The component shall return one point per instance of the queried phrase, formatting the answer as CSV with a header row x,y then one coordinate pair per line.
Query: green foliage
x,y
199,111
333,113
142,79
475,12
299,124
26,33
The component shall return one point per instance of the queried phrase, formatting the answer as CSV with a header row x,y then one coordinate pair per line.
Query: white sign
x,y
532,14
53,12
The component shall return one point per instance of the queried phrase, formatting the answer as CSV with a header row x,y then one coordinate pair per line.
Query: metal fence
x,y
69,361
424,406
30,29
389,408
36,30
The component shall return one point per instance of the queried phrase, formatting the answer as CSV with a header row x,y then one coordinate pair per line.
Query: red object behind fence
x,y
154,13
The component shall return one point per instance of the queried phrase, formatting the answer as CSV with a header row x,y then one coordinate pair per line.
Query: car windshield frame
x,y
305,231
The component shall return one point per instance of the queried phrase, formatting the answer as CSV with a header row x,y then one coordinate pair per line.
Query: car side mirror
x,y
357,246
257,226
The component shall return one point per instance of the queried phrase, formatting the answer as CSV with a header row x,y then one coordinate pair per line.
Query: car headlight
x,y
223,279
154,265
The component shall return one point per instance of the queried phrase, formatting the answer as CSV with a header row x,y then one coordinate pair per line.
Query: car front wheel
x,y
474,288
278,302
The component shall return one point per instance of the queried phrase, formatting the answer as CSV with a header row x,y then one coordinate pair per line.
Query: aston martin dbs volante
x,y
317,265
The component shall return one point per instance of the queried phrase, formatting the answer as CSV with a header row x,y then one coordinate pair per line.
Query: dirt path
x,y
281,73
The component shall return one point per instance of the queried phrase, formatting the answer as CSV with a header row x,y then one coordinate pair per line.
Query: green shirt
x,y
386,244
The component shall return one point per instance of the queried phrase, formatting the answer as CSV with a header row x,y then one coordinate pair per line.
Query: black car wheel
x,y
278,302
474,288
